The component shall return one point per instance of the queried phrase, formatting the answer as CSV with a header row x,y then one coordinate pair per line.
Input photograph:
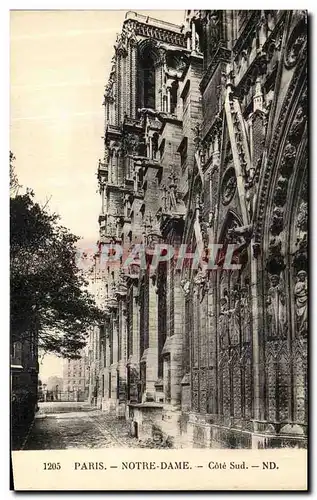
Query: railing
x,y
63,396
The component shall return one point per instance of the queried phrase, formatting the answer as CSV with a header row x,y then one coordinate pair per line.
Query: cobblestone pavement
x,y
78,429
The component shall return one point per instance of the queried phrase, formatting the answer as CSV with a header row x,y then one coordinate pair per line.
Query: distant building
x,y
75,378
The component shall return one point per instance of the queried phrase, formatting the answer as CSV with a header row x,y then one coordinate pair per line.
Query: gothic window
x,y
174,88
17,353
155,146
185,96
148,80
162,147
183,152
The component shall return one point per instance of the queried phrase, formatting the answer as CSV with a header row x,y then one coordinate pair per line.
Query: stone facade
x,y
206,142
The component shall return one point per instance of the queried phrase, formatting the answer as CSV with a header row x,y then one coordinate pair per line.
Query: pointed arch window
x,y
174,88
148,80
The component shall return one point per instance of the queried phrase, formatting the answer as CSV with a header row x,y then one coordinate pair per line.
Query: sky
x,y
59,65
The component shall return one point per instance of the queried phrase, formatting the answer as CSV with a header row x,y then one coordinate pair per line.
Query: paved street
x,y
67,425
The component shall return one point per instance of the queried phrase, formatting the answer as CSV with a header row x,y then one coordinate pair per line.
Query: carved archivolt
x,y
285,277
281,189
289,154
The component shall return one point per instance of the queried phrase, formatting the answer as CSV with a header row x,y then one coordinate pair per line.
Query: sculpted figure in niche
x,y
298,124
288,160
301,299
185,284
228,187
223,322
277,221
214,27
302,217
234,317
295,49
245,314
276,307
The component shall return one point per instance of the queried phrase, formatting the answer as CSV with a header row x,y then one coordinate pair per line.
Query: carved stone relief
x,y
301,302
276,308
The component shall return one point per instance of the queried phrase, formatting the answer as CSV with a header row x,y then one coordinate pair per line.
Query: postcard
x,y
159,250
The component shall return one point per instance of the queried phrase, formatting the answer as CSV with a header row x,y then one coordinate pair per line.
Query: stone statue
x,y
229,189
295,48
245,315
223,322
185,284
302,216
234,318
298,124
301,300
276,307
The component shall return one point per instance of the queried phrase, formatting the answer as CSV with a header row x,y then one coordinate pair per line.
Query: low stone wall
x,y
58,407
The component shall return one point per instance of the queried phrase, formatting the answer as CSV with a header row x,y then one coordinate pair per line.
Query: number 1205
x,y
52,466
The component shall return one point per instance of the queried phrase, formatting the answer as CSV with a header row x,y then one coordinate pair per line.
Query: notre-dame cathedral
x,y
206,143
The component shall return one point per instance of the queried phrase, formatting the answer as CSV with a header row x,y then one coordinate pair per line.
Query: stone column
x,y
136,325
107,372
257,368
114,361
118,89
134,359
133,73
122,369
152,352
176,353
159,69
188,41
193,47
168,99
164,104
172,411
112,113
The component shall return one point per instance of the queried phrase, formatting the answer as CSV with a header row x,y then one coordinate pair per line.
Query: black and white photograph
x,y
159,230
